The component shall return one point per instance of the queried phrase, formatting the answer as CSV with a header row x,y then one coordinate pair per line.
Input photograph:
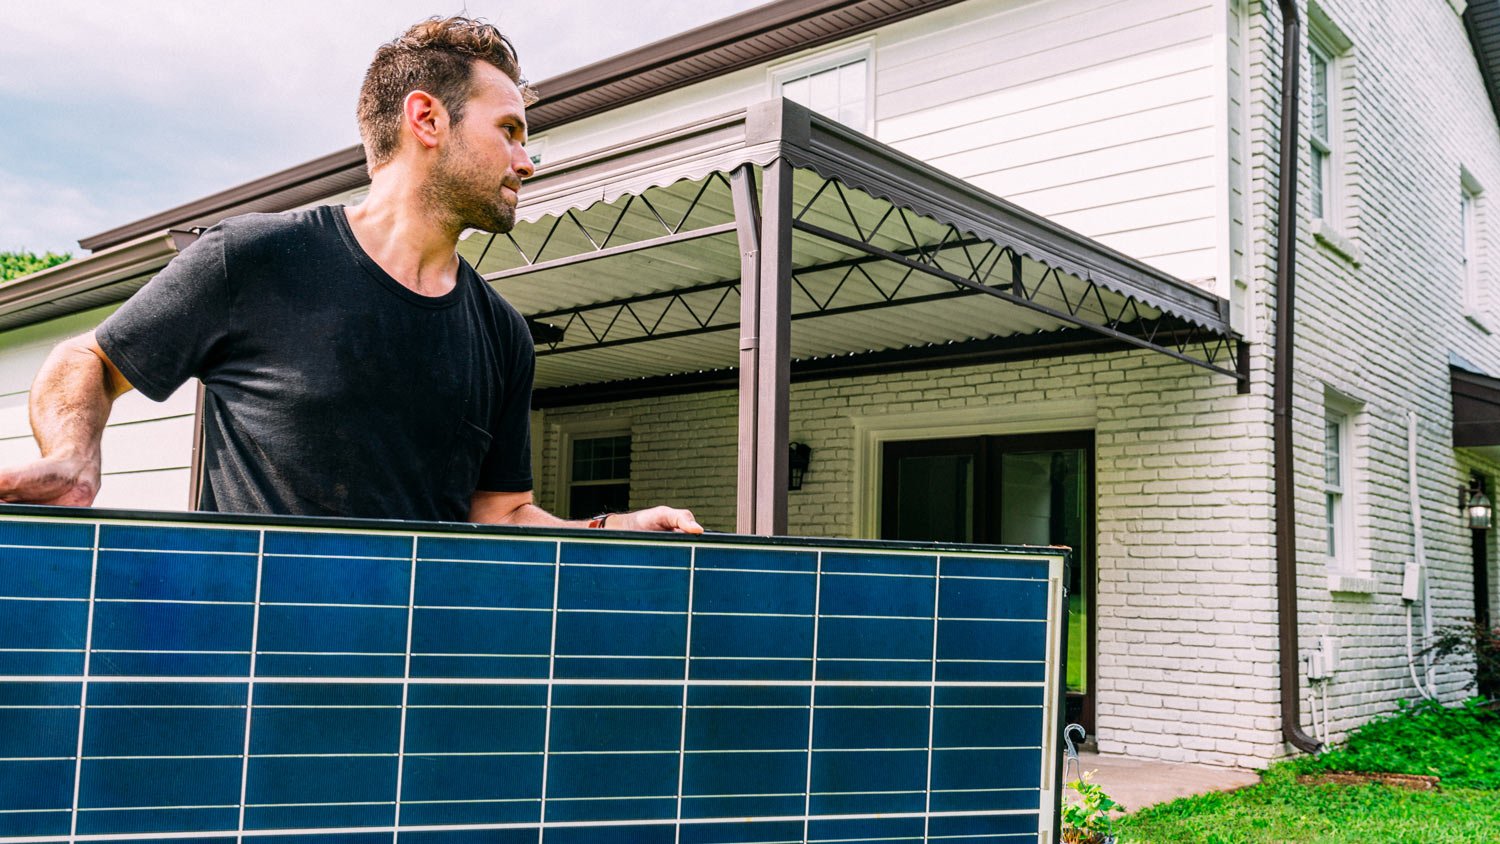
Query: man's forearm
x,y
70,401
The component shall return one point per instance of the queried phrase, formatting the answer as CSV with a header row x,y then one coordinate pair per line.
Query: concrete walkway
x,y
1138,783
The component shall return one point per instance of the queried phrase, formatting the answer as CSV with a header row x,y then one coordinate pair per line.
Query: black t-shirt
x,y
330,388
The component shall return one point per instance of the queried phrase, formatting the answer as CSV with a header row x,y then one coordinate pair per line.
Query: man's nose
x,y
523,166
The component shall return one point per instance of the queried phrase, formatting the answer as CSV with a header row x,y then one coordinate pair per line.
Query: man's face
x,y
477,177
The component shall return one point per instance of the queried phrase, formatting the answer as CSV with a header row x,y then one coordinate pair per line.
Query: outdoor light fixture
x,y
800,455
1476,507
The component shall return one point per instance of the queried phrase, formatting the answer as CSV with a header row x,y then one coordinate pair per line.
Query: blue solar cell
x,y
44,573
135,821
627,554
39,733
25,823
178,538
472,789
127,783
622,589
304,543
335,580
973,726
975,598
332,640
43,624
164,730
147,575
326,790
470,836
875,564
991,640
862,718
729,785
757,559
635,834
490,548
1018,827
772,832
866,595
583,637
865,829
1012,568
527,585
330,729
754,592
48,534
860,782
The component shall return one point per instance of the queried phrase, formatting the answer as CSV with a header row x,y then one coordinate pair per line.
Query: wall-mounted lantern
x,y
800,455
1476,506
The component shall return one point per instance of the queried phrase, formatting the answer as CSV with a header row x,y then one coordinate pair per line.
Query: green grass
x,y
1461,745
1280,809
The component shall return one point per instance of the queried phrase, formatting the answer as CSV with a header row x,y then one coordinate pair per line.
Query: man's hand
x,y
518,508
50,480
656,518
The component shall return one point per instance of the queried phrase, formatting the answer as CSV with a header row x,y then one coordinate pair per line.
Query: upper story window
x,y
837,85
1329,60
1469,227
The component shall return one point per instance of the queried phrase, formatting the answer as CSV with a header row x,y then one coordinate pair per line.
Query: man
x,y
353,363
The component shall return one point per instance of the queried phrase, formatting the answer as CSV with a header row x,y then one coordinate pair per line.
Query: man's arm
x,y
518,508
70,403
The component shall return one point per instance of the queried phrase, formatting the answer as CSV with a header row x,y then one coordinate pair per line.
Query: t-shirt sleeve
x,y
507,467
161,336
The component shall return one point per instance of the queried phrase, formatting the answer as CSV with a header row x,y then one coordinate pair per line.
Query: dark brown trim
x,y
1284,467
752,37
195,473
1480,551
1482,23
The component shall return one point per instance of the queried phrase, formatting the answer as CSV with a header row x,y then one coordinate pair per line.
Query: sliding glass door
x,y
1035,489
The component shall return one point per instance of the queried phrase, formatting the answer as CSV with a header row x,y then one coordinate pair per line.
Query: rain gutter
x,y
1281,390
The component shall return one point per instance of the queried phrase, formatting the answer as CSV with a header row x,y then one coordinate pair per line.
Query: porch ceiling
x,y
634,254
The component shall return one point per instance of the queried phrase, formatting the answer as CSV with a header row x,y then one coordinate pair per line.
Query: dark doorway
x,y
1032,489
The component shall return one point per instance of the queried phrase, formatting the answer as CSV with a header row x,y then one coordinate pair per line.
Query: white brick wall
x,y
1380,330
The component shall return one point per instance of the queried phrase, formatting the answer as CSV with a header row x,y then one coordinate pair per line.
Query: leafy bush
x,y
17,264
1460,745
1088,820
1479,642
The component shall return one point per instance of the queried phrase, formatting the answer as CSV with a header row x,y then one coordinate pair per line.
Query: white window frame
x,y
1349,564
1332,221
1471,252
583,429
1323,149
778,75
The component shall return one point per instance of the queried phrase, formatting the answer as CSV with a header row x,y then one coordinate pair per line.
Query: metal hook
x,y
1070,752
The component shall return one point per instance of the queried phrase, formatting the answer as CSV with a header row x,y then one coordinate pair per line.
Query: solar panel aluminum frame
x,y
890,571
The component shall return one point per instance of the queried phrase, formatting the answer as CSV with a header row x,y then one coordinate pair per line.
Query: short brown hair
x,y
436,56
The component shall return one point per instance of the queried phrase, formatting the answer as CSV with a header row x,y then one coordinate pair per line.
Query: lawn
x,y
1460,745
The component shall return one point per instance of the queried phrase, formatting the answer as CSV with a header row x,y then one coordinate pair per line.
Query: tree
x,y
16,264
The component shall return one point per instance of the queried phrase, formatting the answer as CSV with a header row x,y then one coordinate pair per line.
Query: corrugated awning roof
x,y
1482,20
632,253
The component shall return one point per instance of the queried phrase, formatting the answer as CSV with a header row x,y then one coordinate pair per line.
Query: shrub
x,y
1479,642
1460,745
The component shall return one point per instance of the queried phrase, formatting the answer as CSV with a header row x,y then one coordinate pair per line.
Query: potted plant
x,y
1087,821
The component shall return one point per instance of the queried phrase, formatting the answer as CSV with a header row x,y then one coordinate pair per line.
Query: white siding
x,y
147,446
1100,114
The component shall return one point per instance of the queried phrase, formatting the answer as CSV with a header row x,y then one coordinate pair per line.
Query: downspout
x,y
1281,390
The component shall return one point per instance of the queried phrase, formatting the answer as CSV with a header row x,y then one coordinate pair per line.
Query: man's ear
x,y
425,117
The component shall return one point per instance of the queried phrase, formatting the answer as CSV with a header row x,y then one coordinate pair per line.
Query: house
x,y
1008,271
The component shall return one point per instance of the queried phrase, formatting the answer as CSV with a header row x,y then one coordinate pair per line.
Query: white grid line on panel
x,y
411,602
687,671
83,690
812,697
260,567
524,681
551,681
937,599
330,831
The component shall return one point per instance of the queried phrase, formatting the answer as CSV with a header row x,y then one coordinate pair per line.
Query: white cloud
x,y
123,109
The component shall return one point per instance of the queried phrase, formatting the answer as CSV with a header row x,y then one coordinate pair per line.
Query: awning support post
x,y
765,346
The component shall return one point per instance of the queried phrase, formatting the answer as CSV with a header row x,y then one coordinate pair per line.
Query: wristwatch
x,y
598,521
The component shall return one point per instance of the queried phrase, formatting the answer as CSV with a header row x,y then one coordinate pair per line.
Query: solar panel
x,y
284,680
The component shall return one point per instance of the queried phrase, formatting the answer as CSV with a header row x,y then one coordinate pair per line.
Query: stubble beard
x,y
465,196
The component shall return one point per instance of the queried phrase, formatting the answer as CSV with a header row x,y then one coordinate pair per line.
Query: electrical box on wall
x,y
1411,583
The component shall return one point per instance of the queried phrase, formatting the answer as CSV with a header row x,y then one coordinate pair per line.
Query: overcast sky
x,y
117,110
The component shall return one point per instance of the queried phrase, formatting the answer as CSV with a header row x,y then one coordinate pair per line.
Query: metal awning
x,y
746,246
1476,410
633,255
